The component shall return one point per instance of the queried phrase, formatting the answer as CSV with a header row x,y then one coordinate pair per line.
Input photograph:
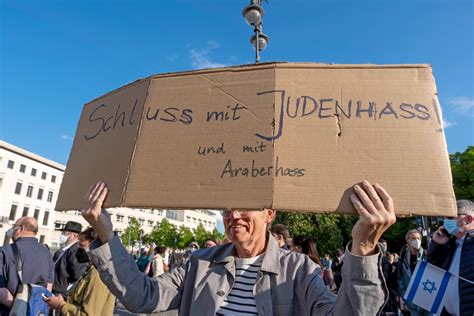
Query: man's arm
x,y
118,270
363,289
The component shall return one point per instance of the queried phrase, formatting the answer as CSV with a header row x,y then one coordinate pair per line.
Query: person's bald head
x,y
25,227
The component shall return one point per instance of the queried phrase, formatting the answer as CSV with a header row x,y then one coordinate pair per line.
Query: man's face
x,y
245,227
413,236
84,244
210,244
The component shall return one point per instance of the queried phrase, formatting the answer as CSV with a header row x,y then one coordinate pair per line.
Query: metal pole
x,y
131,248
257,48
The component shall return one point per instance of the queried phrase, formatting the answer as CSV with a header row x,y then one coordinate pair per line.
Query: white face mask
x,y
10,232
416,243
62,239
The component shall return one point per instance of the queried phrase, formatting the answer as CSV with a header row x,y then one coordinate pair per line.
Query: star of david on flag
x,y
427,287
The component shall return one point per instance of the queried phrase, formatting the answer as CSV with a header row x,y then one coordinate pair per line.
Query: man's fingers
x,y
97,191
358,206
387,199
373,195
91,189
364,199
103,194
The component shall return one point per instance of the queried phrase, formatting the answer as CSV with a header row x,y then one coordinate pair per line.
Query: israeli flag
x,y
427,287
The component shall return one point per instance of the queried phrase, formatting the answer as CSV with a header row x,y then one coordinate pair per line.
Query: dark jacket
x,y
67,269
37,266
442,255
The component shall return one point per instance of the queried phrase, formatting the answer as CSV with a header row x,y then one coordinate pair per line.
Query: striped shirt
x,y
241,299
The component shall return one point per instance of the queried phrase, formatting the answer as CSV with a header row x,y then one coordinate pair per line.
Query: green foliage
x,y
164,234
132,233
395,235
462,168
201,234
185,237
330,231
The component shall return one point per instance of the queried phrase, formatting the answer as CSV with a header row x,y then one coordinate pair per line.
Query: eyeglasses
x,y
226,214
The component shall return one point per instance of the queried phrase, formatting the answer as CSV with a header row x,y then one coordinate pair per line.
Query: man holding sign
x,y
251,275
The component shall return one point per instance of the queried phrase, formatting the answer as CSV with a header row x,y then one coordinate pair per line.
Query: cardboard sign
x,y
289,136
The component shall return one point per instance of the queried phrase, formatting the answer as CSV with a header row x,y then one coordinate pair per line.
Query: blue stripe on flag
x,y
442,289
416,282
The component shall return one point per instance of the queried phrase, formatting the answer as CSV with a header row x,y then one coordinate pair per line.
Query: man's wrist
x,y
106,236
362,249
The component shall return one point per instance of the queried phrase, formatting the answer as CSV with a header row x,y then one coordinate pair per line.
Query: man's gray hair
x,y
412,231
465,207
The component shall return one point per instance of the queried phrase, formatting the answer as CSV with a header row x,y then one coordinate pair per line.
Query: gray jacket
x,y
288,283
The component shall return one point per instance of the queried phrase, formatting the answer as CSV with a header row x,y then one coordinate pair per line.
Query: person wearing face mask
x,y
89,295
67,269
452,249
410,255
37,263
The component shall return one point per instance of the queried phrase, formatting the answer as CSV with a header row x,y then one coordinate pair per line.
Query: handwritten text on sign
x,y
289,108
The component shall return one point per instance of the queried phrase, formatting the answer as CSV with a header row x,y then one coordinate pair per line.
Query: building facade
x,y
29,186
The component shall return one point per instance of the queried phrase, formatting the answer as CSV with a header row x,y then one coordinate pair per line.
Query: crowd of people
x,y
260,269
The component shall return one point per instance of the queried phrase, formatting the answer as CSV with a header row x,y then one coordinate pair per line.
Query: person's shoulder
x,y
213,252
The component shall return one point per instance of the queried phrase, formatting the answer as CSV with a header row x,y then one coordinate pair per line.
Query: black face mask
x,y
81,256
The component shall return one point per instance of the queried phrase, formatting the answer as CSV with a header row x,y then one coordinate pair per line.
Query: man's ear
x,y
270,215
468,219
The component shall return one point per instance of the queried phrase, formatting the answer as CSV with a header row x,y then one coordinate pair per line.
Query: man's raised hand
x,y
376,215
93,213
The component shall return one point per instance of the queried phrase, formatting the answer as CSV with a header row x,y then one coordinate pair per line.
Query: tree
x,y
164,234
132,233
462,168
330,231
185,237
201,234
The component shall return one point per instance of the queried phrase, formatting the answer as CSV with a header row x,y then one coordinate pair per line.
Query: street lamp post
x,y
253,14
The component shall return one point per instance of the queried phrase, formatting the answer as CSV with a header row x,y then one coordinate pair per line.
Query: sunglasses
x,y
226,214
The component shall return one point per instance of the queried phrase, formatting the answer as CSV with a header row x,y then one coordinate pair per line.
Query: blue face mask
x,y
451,226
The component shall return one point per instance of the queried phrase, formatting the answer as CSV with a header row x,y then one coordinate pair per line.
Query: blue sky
x,y
57,55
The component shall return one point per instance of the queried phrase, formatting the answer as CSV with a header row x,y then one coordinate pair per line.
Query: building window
x,y
18,188
22,168
150,223
141,221
43,175
10,164
171,215
46,218
29,191
25,211
13,212
40,194
53,178
50,196
36,214
152,211
42,239
120,218
33,172
58,225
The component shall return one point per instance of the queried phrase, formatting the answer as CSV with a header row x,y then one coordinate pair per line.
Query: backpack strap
x,y
18,262
18,265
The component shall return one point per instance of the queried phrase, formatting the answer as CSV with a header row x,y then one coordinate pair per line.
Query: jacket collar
x,y
271,256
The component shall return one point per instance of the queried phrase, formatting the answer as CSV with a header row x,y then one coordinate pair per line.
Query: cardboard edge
x,y
132,156
265,65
